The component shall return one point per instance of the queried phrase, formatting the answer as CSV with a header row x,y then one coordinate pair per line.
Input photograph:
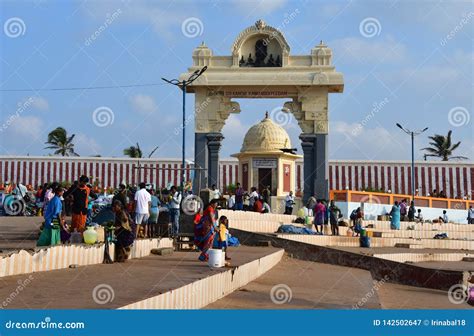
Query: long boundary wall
x,y
455,178
61,256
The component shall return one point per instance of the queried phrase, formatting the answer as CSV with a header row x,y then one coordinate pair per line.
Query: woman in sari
x,y
124,232
205,229
395,217
50,235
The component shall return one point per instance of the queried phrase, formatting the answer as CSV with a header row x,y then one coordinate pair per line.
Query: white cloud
x,y
86,145
26,126
375,143
164,20
143,104
259,7
40,103
363,50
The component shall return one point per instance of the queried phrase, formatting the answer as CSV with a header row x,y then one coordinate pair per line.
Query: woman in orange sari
x,y
205,230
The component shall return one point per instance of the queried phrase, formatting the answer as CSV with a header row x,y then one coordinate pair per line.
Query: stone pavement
x,y
321,286
132,281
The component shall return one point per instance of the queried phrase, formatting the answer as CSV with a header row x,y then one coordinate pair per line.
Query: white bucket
x,y
215,258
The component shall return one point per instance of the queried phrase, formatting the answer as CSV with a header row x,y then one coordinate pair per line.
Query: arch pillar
x,y
211,110
310,109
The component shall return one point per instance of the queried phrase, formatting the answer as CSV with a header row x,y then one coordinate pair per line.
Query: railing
x,y
384,198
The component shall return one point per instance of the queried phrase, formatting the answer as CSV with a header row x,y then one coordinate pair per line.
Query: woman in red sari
x,y
205,229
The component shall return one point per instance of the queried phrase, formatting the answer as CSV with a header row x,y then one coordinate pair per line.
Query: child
x,y
223,236
419,218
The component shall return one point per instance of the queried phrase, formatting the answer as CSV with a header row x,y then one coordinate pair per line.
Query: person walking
x,y
289,203
80,193
470,215
174,205
266,194
154,214
239,197
395,217
411,212
403,210
334,212
142,209
319,215
51,234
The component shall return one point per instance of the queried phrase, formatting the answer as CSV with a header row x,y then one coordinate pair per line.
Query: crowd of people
x,y
135,209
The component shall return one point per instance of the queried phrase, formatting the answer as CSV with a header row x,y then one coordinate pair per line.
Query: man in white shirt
x,y
444,219
252,197
419,217
142,208
289,203
231,202
174,205
215,193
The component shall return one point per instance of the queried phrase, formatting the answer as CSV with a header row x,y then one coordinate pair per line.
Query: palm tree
x,y
441,147
133,152
61,142
136,152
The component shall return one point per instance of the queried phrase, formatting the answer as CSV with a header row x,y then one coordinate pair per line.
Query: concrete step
x,y
410,246
163,251
381,234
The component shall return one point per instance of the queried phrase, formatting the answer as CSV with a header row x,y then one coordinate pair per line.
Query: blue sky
x,y
416,69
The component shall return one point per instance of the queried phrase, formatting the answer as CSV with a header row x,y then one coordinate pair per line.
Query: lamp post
x,y
182,85
412,134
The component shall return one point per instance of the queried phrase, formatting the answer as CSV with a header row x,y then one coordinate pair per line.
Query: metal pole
x,y
412,166
184,135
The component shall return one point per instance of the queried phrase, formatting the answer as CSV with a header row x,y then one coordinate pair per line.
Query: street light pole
x,y
182,85
412,135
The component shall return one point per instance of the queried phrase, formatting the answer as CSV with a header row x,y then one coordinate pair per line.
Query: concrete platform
x,y
304,285
395,296
320,286
448,265
130,282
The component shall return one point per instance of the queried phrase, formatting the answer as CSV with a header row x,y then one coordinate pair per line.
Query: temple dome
x,y
266,136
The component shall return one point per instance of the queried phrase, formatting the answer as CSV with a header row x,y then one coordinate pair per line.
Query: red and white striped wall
x,y
456,179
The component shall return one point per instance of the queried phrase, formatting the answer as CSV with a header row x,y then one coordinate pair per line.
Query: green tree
x,y
61,143
133,152
442,147
136,152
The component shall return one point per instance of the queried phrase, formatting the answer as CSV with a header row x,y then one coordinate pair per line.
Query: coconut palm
x,y
133,151
62,144
136,152
442,147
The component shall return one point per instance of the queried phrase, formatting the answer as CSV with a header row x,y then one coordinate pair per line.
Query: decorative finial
x,y
266,115
260,24
321,43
